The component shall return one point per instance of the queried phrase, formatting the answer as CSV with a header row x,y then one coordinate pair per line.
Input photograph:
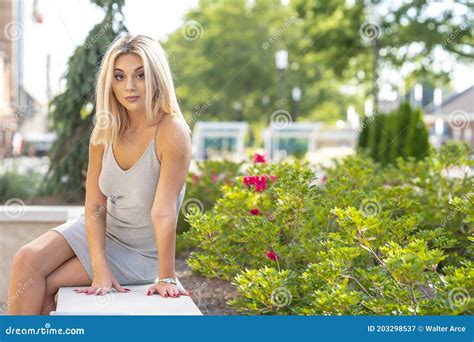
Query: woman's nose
x,y
130,84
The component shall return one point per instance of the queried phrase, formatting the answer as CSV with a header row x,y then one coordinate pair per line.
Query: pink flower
x,y
260,158
273,178
260,183
246,181
195,179
255,211
272,255
213,177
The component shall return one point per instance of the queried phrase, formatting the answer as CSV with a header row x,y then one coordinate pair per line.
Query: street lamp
x,y
281,61
238,109
296,95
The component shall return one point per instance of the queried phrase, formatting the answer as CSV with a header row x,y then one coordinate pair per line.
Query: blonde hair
x,y
111,117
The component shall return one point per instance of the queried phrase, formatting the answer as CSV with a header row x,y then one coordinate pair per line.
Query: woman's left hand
x,y
168,290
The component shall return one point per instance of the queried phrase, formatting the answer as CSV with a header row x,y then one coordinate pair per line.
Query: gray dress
x,y
130,238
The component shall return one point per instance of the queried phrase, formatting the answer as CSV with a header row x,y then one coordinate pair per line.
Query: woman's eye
x,y
119,77
141,75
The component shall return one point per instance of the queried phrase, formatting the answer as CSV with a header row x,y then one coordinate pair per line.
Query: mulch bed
x,y
210,295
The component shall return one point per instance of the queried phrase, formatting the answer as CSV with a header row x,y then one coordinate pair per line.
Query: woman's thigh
x,y
71,273
44,254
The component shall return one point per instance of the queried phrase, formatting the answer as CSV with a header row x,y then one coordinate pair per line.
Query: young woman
x,y
139,156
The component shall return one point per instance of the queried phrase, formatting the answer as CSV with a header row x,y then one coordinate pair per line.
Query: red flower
x,y
255,211
195,179
273,178
247,181
272,255
260,158
260,183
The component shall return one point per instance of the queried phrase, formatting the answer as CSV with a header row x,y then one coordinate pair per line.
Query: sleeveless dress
x,y
130,244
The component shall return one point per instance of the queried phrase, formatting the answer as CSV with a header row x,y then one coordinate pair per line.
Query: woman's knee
x,y
25,260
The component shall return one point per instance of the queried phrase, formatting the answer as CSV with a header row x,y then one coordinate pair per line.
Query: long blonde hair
x,y
111,117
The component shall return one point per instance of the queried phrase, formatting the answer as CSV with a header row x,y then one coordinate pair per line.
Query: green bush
x,y
369,240
387,136
19,186
203,188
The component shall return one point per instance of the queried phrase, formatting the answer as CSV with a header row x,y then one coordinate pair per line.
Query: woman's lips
x,y
132,98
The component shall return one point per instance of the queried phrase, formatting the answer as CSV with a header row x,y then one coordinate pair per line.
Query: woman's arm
x,y
175,160
95,210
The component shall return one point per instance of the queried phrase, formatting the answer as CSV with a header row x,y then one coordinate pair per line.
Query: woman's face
x,y
128,82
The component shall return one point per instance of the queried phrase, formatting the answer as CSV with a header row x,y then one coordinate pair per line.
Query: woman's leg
x,y
71,273
31,265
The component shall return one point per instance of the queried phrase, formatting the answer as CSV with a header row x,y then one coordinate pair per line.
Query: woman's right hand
x,y
102,284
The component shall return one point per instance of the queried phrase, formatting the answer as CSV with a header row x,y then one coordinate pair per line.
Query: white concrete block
x,y
135,302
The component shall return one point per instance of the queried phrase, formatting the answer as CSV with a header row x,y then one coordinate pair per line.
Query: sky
x,y
67,23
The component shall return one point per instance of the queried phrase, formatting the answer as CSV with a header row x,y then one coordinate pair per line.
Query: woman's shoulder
x,y
172,125
173,129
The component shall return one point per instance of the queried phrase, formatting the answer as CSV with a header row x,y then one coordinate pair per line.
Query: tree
x,y
387,136
387,139
363,139
376,131
350,38
224,55
416,144
401,130
72,111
